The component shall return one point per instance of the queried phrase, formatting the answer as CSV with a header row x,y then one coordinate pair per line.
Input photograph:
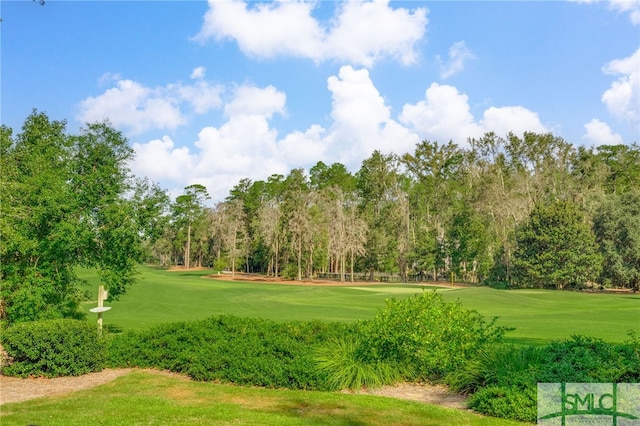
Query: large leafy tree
x,y
467,245
63,205
377,185
436,173
555,248
617,229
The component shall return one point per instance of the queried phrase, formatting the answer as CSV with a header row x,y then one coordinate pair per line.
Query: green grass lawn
x,y
537,315
145,398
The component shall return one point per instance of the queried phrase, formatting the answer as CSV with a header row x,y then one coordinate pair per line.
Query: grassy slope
x,y
146,398
537,315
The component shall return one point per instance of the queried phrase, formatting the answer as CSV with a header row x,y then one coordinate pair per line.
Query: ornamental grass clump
x,y
347,367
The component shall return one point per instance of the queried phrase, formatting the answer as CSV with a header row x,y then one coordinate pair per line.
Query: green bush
x,y
52,348
586,360
430,336
247,351
506,402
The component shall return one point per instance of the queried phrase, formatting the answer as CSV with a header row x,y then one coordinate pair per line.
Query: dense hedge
x,y
51,348
247,351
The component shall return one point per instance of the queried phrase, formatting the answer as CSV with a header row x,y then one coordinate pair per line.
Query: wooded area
x,y
508,211
531,211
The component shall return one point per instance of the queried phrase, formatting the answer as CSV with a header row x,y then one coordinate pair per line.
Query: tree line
x,y
508,211
530,211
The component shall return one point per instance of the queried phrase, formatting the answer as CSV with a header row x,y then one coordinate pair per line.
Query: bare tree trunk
x,y
232,253
276,269
300,258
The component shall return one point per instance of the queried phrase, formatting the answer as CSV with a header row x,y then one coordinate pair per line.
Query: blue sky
x,y
215,92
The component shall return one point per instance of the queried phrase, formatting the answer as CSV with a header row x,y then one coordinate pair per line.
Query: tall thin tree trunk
x,y
352,262
300,258
187,251
232,253
276,254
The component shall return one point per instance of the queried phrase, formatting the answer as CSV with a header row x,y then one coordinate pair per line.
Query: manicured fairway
x,y
538,315
542,315
151,399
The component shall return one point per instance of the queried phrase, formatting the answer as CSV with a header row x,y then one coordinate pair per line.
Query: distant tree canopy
x,y
511,212
64,203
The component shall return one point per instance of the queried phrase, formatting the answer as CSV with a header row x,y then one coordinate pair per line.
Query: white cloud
x,y
137,108
459,53
198,73
365,31
250,100
361,120
599,133
623,97
201,96
247,145
265,30
445,115
514,119
360,32
133,106
242,147
108,78
632,7
304,148
160,160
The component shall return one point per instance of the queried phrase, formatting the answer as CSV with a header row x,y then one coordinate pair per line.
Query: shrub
x,y
506,402
248,351
504,380
427,334
52,348
586,359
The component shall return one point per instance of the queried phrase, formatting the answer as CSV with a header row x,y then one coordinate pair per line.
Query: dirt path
x,y
13,389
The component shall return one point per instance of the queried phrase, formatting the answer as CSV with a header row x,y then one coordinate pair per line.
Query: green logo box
x,y
569,404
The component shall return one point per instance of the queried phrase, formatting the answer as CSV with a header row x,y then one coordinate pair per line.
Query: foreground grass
x,y
145,398
538,316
